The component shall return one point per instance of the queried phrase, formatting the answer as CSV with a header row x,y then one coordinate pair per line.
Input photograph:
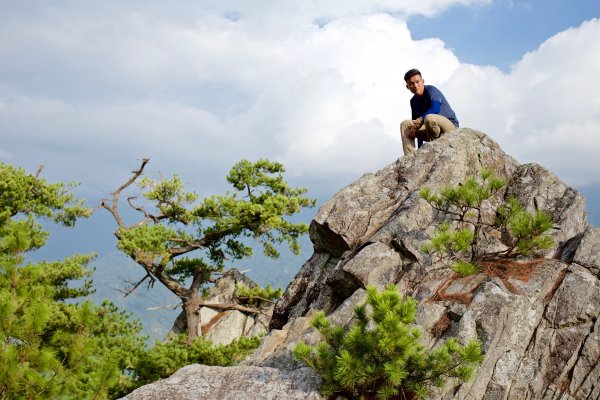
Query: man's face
x,y
416,85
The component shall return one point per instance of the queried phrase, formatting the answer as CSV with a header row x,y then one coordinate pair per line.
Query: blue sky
x,y
89,88
499,33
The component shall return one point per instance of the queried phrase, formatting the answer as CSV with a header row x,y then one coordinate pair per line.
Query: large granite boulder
x,y
221,320
196,382
537,319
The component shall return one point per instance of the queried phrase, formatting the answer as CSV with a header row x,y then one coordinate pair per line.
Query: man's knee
x,y
431,127
430,121
404,126
438,123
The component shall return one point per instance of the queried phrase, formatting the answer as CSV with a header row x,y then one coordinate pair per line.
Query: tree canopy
x,y
52,343
56,344
181,240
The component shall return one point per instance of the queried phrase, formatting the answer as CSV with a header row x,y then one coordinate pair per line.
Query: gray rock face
x,y
539,327
223,326
537,320
196,382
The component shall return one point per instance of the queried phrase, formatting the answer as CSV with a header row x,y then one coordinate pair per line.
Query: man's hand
x,y
416,125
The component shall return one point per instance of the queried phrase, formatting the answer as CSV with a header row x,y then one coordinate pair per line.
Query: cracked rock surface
x,y
538,323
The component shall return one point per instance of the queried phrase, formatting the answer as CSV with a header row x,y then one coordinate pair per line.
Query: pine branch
x,y
231,306
113,208
168,306
257,298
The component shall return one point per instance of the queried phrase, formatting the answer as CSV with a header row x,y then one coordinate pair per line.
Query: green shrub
x,y
166,358
457,240
465,268
380,355
257,296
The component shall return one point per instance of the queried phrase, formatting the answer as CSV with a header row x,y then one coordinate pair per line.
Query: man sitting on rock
x,y
432,115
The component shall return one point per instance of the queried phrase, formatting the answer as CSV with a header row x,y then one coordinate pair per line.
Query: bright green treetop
x,y
181,240
257,209
25,197
50,345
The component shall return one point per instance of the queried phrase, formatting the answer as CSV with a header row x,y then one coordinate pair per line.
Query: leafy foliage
x,y
257,296
181,241
52,344
380,355
166,358
24,197
528,230
257,209
524,233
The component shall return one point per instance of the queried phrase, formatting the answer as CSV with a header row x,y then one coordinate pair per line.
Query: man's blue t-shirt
x,y
432,102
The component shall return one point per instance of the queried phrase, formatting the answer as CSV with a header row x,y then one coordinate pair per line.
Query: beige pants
x,y
435,126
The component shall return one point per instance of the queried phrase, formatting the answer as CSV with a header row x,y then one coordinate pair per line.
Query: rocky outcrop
x,y
537,319
223,323
196,382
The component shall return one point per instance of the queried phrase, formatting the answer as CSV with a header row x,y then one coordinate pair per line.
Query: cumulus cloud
x,y
545,110
316,86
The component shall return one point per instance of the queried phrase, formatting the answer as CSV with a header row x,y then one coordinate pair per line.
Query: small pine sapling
x,y
380,355
457,240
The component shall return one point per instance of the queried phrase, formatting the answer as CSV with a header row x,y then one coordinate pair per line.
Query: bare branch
x,y
147,216
156,272
39,171
258,298
168,306
133,287
93,210
136,175
177,251
114,207
200,243
231,306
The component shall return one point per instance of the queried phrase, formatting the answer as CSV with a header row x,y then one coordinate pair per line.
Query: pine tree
x,y
458,239
257,296
166,358
53,344
181,241
380,356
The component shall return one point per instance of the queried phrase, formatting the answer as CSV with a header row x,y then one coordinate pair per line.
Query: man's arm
x,y
434,109
436,98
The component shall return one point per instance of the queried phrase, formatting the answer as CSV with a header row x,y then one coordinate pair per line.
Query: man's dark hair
x,y
411,73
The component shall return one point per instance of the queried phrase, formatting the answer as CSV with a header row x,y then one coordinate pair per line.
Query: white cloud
x,y
546,109
197,91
